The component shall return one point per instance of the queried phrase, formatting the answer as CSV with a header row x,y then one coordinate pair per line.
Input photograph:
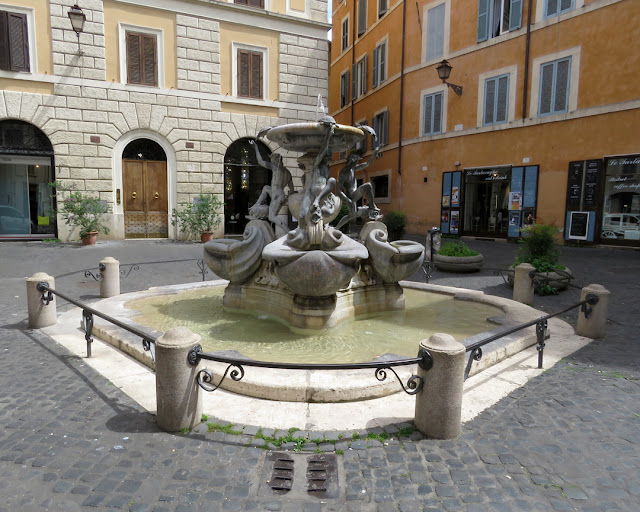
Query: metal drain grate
x,y
299,475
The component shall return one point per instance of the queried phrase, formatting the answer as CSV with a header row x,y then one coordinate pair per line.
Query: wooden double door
x,y
146,207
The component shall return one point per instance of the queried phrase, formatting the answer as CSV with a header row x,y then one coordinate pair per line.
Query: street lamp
x,y
444,70
77,18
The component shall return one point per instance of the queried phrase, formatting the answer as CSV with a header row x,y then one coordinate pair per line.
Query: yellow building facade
x,y
537,121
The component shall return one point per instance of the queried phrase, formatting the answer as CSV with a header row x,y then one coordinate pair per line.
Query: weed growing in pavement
x,y
204,418
225,429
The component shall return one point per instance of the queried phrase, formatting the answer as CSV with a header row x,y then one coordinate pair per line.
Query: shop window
x,y
556,7
432,113
250,72
496,100
362,17
496,17
344,88
621,212
360,77
381,127
14,42
435,33
554,87
345,34
379,68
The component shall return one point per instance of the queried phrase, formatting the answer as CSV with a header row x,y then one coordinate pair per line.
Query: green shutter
x,y
515,15
483,20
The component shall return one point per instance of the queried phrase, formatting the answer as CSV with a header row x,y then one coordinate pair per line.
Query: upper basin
x,y
308,137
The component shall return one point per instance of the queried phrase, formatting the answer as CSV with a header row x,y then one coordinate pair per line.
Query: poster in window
x,y
455,221
514,219
515,200
445,200
445,217
455,196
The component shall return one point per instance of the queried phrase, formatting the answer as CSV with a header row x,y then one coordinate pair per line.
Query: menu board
x,y
579,225
574,185
590,195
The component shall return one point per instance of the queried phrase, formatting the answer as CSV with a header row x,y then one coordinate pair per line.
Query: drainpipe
x,y
404,23
526,64
354,29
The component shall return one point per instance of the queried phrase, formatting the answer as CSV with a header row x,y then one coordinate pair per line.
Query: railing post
x,y
178,397
523,283
592,318
110,284
439,403
40,314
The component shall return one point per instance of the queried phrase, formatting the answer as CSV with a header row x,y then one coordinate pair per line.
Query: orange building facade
x,y
545,128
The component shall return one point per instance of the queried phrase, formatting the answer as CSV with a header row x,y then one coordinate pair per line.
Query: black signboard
x,y
579,225
574,185
591,178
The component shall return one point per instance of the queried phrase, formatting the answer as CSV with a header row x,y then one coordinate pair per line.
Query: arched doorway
x,y
26,169
243,182
144,190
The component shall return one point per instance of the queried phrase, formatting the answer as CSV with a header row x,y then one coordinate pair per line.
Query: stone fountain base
x,y
313,313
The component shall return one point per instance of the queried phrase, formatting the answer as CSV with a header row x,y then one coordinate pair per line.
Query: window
x,y
380,125
379,68
380,182
344,88
249,74
432,113
554,87
496,100
14,43
382,8
435,33
362,17
360,77
556,7
142,59
362,147
251,3
345,34
496,17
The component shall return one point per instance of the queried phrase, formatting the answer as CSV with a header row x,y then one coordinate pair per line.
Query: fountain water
x,y
314,276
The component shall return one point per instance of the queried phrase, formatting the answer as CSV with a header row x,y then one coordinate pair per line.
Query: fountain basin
x,y
308,137
322,386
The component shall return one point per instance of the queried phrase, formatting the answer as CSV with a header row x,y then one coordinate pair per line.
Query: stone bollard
x,y
39,314
178,397
595,325
439,403
523,284
110,284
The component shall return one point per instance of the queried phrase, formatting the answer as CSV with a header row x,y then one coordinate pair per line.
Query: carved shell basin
x,y
393,261
308,137
316,273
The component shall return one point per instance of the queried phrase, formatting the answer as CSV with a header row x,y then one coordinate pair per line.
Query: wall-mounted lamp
x,y
444,70
77,18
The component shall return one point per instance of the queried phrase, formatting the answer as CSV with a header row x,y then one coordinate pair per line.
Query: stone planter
x,y
458,263
556,280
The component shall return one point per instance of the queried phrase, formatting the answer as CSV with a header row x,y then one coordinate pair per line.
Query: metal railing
x,y
127,268
148,341
475,349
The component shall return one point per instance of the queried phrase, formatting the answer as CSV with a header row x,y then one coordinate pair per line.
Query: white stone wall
x,y
85,105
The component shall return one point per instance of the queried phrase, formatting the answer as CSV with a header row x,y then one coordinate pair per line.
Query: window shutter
x,y
552,7
435,32
256,75
364,73
483,20
489,101
382,55
243,73
515,15
149,60
133,59
502,99
566,5
560,103
437,113
374,68
362,16
241,2
427,126
354,91
4,41
546,88
385,127
18,54
382,7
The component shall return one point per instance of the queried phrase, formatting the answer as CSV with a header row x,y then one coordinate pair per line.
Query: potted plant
x,y
539,249
82,211
200,217
456,256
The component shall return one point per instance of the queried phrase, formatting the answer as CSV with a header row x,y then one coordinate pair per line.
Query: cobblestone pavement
x,y
69,440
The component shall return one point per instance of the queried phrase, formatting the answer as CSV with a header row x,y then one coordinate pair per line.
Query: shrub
x,y
200,216
82,211
456,249
539,248
396,222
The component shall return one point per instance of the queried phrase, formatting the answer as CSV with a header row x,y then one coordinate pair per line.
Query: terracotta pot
x,y
90,238
206,237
